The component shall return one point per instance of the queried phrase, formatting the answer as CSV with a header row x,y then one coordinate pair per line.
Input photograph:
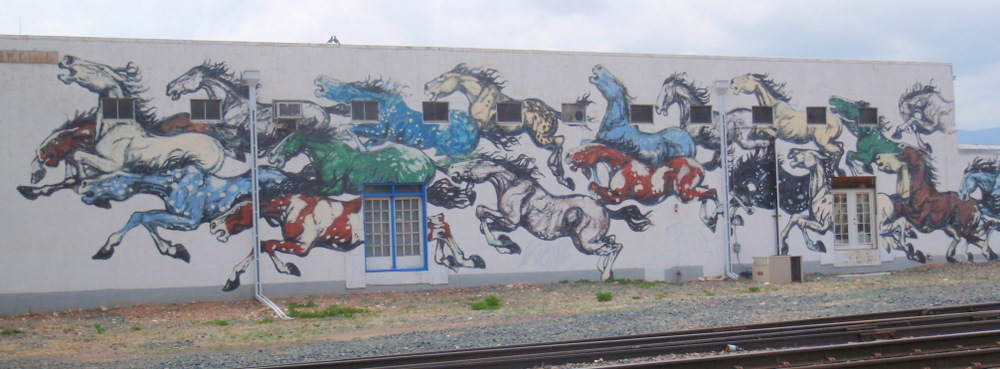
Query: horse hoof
x,y
231,285
182,253
968,256
737,221
992,256
103,254
610,278
909,248
911,233
450,263
950,259
569,184
477,262
820,246
509,245
27,192
293,270
920,258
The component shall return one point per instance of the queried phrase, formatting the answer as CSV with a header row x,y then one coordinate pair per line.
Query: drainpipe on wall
x,y
722,87
252,77
777,196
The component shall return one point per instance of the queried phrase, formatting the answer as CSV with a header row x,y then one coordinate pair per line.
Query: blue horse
x,y
983,175
617,131
397,122
191,196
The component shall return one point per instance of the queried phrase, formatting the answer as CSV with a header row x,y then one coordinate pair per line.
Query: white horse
x,y
124,143
820,216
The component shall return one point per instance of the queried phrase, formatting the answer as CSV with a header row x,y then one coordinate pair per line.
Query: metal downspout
x,y
252,77
722,87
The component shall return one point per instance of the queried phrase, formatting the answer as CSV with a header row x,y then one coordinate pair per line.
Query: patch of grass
x,y
983,278
8,332
100,329
637,282
754,289
491,302
637,297
708,293
661,296
604,296
330,311
136,328
218,322
265,321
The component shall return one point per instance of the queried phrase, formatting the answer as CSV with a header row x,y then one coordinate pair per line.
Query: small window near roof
x,y
701,114
365,111
118,109
574,113
206,109
435,111
816,115
288,109
509,112
762,115
868,116
641,113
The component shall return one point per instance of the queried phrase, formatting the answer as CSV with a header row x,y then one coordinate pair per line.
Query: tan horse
x,y
790,124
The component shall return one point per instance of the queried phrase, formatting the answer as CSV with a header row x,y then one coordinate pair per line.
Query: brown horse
x,y
76,134
918,200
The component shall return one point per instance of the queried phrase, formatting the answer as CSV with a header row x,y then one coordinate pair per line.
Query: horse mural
x,y
439,231
918,200
631,179
871,139
123,144
616,130
232,131
398,122
676,89
484,89
522,202
306,222
191,197
790,124
924,111
339,168
983,176
820,216
893,230
76,134
753,184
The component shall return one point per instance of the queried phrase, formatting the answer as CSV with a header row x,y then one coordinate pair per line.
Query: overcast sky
x,y
965,33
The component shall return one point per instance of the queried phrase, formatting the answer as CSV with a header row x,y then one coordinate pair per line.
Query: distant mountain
x,y
989,136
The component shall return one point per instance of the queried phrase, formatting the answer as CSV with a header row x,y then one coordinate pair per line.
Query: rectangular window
x,y
435,112
574,113
509,112
641,113
394,227
288,109
868,116
816,115
701,114
206,109
365,111
763,115
118,108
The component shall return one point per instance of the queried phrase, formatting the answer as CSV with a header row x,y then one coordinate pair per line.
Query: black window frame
x,y
117,108
641,113
365,110
868,112
816,115
701,114
201,109
509,112
758,113
435,112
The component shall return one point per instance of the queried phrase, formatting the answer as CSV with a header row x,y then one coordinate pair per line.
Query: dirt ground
x,y
127,332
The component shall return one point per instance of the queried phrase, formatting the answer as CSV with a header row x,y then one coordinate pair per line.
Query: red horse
x,y
632,179
305,222
75,134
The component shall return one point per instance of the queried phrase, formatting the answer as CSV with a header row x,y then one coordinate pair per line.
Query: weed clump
x,y
330,311
491,302
604,296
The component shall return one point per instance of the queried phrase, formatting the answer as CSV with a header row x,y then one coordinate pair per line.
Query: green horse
x,y
339,168
871,141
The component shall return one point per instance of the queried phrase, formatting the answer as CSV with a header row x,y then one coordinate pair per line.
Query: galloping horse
x,y
439,230
219,82
522,202
397,122
871,140
191,197
925,111
753,184
76,134
631,179
820,216
893,230
124,143
484,89
339,169
305,221
983,175
790,124
677,90
918,200
653,149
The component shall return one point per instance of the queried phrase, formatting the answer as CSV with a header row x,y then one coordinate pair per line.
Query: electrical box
x,y
777,269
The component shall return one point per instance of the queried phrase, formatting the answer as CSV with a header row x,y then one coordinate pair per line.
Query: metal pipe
x,y
721,87
777,195
252,77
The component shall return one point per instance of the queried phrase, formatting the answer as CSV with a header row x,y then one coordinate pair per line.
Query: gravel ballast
x,y
226,335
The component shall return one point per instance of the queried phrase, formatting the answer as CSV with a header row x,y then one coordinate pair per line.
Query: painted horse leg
x,y
608,253
234,279
286,247
491,219
148,219
950,254
31,193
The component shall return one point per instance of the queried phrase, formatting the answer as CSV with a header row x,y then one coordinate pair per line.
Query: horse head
x,y
805,158
232,222
187,83
607,84
472,171
118,186
889,162
677,90
745,84
585,158
285,149
98,78
445,84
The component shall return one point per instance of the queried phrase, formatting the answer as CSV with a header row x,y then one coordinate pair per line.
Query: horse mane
x,y
699,95
485,75
133,88
984,165
914,157
918,89
777,89
220,71
523,166
378,86
79,119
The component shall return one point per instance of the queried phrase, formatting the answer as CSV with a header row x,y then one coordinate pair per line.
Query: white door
x,y
853,219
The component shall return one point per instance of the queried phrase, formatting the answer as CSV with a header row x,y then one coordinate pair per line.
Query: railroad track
x,y
939,337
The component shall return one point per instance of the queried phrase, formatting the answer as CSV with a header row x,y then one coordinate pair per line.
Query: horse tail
x,y
338,109
633,216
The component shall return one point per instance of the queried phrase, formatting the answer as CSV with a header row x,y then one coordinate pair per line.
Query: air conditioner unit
x,y
289,109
